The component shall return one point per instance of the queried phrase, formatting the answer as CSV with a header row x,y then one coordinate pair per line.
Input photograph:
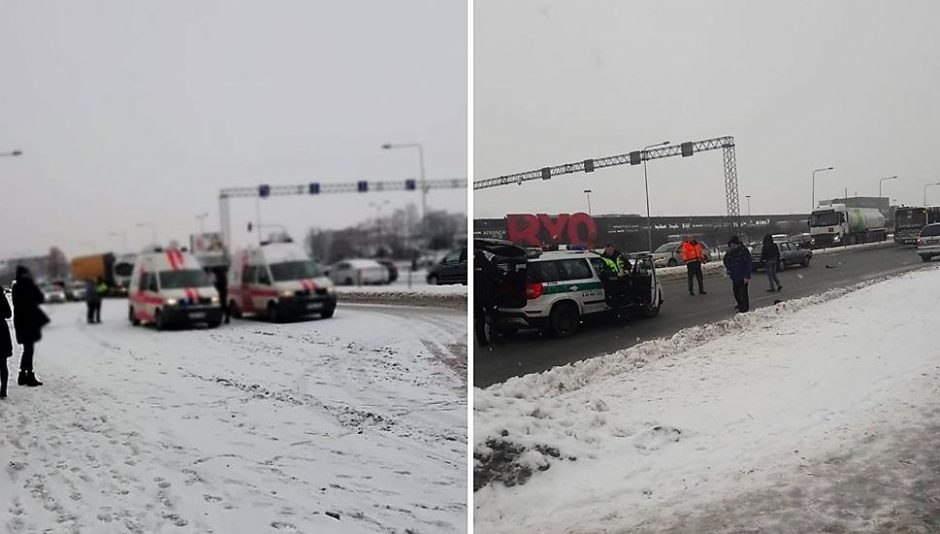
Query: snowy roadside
x,y
448,296
715,267
686,433
351,424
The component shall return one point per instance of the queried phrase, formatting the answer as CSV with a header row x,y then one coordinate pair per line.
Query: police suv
x,y
554,290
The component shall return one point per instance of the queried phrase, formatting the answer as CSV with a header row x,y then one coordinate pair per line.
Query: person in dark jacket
x,y
770,255
28,320
739,264
485,280
92,302
6,345
221,285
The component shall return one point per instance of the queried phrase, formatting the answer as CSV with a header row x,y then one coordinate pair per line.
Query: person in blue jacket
x,y
738,263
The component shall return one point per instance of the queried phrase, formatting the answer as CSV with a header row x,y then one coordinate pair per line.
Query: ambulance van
x,y
279,281
169,287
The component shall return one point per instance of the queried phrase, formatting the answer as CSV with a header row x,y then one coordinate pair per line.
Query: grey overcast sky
x,y
799,84
139,111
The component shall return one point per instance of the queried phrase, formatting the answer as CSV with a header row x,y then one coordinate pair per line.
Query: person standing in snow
x,y
485,280
28,320
739,264
770,255
92,301
693,255
221,285
6,345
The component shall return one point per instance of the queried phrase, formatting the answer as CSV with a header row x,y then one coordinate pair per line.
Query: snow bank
x,y
352,424
451,296
671,425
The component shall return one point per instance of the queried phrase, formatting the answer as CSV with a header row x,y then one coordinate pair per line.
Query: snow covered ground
x,y
816,415
352,424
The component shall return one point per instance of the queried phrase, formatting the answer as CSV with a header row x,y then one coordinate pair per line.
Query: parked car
x,y
54,294
790,255
392,269
452,269
76,291
670,254
803,241
359,272
928,242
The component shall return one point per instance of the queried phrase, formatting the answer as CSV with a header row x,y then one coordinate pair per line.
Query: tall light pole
x,y
881,181
646,184
813,205
202,222
153,230
925,191
11,154
424,187
588,193
748,197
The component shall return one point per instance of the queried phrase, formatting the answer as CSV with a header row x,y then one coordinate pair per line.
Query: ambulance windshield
x,y
294,270
184,278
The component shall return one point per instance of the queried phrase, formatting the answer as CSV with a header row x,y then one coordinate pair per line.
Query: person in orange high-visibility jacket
x,y
693,254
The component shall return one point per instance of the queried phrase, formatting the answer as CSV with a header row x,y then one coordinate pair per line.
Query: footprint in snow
x,y
657,438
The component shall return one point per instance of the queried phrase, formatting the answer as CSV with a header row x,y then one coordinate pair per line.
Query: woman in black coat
x,y
28,320
6,346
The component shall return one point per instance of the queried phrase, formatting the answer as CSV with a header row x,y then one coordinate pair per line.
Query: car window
x,y
783,246
931,230
597,263
452,256
543,271
575,269
263,277
248,275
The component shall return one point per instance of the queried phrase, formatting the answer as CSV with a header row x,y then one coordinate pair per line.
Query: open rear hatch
x,y
512,261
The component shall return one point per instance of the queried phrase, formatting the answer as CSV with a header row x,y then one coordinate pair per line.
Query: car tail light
x,y
533,291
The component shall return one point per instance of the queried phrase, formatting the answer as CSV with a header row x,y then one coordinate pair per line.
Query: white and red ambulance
x,y
279,281
170,287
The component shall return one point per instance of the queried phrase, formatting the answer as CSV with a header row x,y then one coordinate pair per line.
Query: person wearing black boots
x,y
28,320
6,346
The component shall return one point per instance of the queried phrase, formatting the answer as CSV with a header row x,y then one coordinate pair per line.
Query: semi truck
x,y
909,221
114,270
841,225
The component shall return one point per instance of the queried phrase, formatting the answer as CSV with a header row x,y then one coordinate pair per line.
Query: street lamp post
x,y
748,197
424,188
881,181
202,222
588,193
925,191
813,205
11,154
646,184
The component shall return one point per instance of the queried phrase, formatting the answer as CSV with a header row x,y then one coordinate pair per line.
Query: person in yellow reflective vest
x,y
616,276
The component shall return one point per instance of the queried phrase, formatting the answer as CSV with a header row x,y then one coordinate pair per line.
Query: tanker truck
x,y
839,225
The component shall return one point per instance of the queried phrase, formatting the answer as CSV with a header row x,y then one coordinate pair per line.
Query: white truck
x,y
840,225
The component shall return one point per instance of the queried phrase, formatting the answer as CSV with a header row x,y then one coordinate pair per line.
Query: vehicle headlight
x,y
215,300
171,302
287,293
836,238
331,289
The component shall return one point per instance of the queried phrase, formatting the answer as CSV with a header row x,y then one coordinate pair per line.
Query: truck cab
x,y
840,225
171,288
279,281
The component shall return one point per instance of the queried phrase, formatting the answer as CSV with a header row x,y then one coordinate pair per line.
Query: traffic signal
x,y
635,158
546,173
264,191
314,188
362,186
686,150
589,165
410,184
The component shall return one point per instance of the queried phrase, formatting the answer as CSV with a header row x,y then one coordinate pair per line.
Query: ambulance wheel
x,y
328,313
158,321
132,317
234,310
214,324
273,316
564,319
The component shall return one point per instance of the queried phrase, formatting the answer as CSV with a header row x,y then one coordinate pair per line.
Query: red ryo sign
x,y
537,230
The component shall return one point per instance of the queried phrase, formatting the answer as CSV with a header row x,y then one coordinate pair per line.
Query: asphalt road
x,y
531,352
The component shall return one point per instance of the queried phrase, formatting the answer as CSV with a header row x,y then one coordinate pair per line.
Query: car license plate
x,y
314,305
197,315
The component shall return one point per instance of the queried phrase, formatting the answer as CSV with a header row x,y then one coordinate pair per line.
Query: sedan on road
x,y
670,254
358,272
928,243
452,269
790,254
